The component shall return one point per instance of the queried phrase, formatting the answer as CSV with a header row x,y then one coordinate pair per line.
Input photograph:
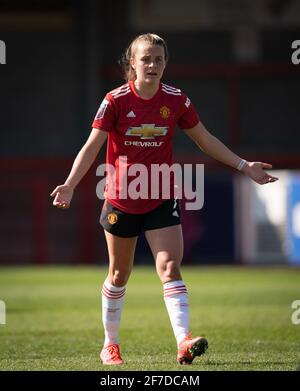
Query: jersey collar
x,y
131,85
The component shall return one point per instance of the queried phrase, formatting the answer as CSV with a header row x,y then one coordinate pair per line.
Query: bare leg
x,y
121,255
167,248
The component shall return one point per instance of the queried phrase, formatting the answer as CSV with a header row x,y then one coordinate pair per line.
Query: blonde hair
x,y
152,39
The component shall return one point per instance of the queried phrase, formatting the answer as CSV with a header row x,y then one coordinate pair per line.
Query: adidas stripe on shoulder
x,y
120,91
170,90
120,88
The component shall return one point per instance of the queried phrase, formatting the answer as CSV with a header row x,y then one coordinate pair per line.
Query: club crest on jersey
x,y
147,131
112,218
164,112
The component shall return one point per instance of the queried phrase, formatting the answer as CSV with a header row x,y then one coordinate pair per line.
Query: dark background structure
x,y
231,57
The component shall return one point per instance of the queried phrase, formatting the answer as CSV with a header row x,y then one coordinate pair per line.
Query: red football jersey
x,y
140,131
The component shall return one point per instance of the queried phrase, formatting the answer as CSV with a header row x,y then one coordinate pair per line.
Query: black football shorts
x,y
127,225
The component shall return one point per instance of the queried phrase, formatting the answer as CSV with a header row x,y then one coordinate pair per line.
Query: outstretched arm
x,y
216,149
63,194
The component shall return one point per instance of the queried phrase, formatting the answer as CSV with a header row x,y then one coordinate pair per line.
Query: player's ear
x,y
132,62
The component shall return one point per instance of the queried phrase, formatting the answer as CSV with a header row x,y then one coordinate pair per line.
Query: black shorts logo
x,y
112,218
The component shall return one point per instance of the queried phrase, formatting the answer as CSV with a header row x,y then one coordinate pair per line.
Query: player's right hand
x,y
63,195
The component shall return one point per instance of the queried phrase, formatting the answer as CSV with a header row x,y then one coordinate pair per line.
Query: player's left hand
x,y
256,171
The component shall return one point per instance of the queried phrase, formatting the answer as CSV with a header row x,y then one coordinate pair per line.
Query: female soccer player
x,y
138,121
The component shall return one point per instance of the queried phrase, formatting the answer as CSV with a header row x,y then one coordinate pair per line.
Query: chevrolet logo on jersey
x,y
147,131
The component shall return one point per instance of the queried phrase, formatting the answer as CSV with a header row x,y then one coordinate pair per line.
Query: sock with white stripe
x,y
176,300
112,304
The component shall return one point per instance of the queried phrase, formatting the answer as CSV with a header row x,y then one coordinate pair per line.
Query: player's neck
x,y
146,90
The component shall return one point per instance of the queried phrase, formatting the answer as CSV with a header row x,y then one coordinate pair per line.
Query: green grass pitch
x,y
54,319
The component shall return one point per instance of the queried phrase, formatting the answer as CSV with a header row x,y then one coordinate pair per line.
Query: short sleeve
x,y
105,118
188,115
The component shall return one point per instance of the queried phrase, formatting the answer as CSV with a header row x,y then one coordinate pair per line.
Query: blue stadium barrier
x,y
293,209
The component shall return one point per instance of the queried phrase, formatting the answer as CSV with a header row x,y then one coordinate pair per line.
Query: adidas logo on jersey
x,y
130,114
